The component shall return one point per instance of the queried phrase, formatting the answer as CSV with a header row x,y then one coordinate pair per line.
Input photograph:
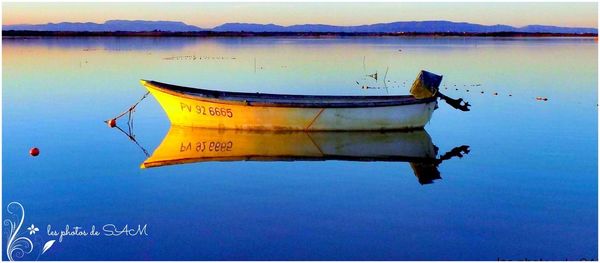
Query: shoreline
x,y
27,33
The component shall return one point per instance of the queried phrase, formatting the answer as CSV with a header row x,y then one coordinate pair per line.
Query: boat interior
x,y
292,100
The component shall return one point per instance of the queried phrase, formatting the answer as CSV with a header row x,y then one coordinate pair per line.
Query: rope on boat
x,y
129,133
128,111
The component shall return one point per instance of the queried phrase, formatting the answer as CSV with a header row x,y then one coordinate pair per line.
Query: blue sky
x,y
212,14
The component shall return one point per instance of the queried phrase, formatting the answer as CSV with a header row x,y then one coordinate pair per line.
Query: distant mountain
x,y
248,27
556,29
411,26
108,26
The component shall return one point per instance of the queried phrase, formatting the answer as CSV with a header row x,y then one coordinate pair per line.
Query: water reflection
x,y
103,43
184,145
531,186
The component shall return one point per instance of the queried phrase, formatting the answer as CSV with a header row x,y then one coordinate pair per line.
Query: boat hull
x,y
192,111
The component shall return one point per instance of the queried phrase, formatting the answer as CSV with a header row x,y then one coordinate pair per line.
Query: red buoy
x,y
34,151
112,123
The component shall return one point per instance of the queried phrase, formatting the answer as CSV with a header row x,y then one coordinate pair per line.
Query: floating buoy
x,y
467,90
34,151
112,123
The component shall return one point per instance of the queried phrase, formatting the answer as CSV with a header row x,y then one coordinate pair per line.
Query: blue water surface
x,y
527,189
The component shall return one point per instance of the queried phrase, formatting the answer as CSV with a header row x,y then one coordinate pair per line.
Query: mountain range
x,y
109,26
408,26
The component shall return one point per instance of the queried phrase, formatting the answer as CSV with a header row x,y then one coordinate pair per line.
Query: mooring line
x,y
130,108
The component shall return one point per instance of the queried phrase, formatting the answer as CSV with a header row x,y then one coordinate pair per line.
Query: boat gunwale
x,y
271,100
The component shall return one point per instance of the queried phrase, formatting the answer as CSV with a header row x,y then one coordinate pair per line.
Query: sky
x,y
208,15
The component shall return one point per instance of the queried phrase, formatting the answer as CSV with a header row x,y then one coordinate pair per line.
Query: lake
x,y
526,188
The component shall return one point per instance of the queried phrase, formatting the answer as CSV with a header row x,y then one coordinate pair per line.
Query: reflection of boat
x,y
254,111
188,145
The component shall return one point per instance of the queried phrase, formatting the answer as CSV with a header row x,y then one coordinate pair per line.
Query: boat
x,y
185,145
193,107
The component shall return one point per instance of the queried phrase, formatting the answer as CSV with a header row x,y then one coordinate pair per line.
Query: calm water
x,y
527,189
